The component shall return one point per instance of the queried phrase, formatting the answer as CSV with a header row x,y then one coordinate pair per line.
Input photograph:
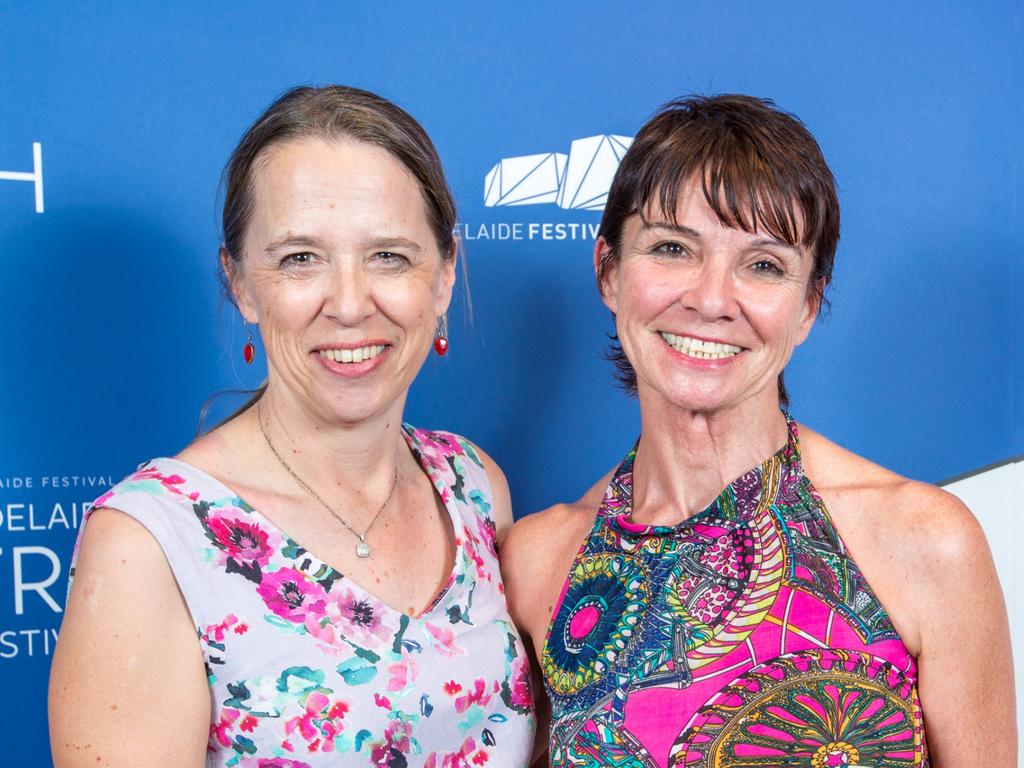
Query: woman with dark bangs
x,y
741,591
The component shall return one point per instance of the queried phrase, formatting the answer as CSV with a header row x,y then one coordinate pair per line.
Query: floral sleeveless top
x,y
306,668
745,637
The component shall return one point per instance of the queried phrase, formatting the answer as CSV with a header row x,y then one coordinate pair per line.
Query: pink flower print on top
x,y
321,723
444,640
291,595
402,674
220,732
271,762
351,617
361,618
516,693
239,538
396,742
478,695
458,759
436,447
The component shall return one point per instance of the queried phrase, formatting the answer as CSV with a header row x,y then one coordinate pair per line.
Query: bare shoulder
x,y
858,491
537,554
917,545
557,530
125,626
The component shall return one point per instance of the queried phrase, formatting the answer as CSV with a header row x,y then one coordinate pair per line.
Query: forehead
x,y
718,202
312,183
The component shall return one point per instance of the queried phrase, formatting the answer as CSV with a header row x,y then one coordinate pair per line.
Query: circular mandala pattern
x,y
814,709
600,611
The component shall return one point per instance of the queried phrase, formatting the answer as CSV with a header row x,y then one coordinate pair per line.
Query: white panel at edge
x,y
997,499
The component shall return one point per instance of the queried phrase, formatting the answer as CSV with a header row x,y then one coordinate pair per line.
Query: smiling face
x,y
707,314
342,272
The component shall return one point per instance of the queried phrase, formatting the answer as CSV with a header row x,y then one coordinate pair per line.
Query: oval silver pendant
x,y
363,549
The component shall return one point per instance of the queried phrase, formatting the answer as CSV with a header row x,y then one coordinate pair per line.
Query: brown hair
x,y
759,167
330,112
337,112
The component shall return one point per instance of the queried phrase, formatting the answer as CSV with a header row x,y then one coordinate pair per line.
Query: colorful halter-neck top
x,y
745,637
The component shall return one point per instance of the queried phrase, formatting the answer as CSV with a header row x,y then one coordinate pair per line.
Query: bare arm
x,y
965,665
128,685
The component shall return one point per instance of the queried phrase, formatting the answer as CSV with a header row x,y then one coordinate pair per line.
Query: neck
x,y
686,458
349,465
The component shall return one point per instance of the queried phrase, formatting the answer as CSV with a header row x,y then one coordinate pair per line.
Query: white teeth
x,y
352,355
704,350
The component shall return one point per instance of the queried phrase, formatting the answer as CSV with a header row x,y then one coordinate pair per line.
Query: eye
x,y
768,268
297,259
391,258
670,248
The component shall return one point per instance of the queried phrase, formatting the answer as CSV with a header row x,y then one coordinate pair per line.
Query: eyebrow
x,y
291,241
392,242
672,228
774,241
305,241
689,232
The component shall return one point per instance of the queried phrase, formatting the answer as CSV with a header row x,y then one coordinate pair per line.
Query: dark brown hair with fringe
x,y
760,168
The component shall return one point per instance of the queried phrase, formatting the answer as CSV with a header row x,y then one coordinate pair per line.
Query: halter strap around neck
x,y
739,498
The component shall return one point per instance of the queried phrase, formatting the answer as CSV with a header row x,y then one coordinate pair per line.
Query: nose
x,y
348,293
712,292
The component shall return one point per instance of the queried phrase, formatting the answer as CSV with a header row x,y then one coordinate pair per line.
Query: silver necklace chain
x,y
362,548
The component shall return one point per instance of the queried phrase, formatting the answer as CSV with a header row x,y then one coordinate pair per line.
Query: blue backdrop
x,y
114,331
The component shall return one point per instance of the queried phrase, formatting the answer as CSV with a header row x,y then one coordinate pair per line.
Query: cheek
x,y
779,322
643,294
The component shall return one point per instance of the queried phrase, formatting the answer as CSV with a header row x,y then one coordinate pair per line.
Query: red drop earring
x,y
249,350
441,335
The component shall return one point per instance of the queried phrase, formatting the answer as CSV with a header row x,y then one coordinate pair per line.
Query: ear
x,y
606,279
812,305
237,286
449,270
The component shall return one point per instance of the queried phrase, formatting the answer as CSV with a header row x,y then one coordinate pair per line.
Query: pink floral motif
x,y
444,640
221,730
396,739
436,447
402,674
291,595
217,632
359,617
488,533
271,762
239,537
478,695
458,759
350,616
516,691
320,724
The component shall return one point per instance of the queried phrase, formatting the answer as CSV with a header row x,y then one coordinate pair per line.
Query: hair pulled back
x,y
336,112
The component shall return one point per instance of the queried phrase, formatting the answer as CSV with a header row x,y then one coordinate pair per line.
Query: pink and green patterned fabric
x,y
306,668
744,637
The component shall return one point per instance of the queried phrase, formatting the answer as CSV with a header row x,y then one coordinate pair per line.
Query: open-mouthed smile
x,y
700,349
357,355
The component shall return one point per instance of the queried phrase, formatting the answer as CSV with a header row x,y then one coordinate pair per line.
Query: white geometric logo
x,y
578,181
36,176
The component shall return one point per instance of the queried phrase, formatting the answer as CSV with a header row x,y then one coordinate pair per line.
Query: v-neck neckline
x,y
441,489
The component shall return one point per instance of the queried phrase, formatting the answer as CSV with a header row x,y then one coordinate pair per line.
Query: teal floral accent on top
x,y
305,665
